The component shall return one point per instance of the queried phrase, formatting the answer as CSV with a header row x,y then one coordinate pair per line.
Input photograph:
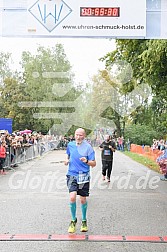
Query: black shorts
x,y
73,186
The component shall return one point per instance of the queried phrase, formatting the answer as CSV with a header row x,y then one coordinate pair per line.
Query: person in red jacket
x,y
2,157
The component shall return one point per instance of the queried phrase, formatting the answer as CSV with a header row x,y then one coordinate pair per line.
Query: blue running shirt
x,y
75,152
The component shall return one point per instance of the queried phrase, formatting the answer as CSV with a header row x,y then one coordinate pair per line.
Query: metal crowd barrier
x,y
17,155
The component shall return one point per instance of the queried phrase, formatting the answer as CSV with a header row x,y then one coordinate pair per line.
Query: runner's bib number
x,y
107,152
83,178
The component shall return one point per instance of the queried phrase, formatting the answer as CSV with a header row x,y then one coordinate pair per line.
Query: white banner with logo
x,y
69,18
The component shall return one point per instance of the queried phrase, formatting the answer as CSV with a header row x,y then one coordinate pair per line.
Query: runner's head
x,y
79,135
106,138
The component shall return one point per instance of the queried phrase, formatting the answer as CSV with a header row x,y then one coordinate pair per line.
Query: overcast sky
x,y
83,53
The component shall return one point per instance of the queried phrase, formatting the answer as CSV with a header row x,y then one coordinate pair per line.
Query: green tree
x,y
148,59
5,71
42,74
12,92
141,134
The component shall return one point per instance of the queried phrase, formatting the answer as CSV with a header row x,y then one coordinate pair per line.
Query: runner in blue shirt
x,y
80,156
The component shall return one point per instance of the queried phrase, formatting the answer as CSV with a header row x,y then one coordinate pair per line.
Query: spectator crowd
x,y
17,145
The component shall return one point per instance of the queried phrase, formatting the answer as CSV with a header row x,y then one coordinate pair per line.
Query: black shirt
x,y
107,153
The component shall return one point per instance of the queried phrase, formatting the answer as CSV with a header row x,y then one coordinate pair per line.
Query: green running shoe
x,y
84,227
72,226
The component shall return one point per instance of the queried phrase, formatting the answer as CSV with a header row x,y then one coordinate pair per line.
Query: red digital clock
x,y
99,12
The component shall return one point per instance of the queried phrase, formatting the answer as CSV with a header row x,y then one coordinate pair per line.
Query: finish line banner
x,y
70,18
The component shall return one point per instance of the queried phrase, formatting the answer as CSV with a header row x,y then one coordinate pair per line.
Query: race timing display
x,y
99,11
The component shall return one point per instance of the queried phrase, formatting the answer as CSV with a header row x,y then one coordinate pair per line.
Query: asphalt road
x,y
34,200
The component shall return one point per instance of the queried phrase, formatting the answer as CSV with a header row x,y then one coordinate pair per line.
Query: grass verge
x,y
143,160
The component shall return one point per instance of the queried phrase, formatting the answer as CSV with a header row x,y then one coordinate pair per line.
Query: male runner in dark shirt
x,y
107,147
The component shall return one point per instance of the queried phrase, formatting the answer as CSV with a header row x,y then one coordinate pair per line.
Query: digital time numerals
x,y
99,12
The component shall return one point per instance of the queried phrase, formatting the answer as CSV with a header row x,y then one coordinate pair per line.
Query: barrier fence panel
x,y
24,153
146,151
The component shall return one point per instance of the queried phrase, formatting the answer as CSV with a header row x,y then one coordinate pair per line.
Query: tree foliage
x,y
148,59
41,80
141,134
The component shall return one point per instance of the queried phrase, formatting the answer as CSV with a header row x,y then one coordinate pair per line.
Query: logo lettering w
x,y
45,14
